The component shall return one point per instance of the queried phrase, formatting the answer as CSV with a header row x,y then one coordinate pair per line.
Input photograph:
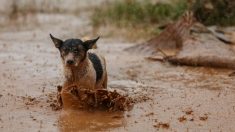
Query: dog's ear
x,y
88,44
58,43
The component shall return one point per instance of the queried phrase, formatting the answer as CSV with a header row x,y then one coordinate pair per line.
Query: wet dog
x,y
83,67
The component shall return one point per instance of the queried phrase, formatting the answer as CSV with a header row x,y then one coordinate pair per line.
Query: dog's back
x,y
99,65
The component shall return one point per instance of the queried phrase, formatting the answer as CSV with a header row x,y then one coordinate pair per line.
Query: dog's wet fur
x,y
82,67
97,65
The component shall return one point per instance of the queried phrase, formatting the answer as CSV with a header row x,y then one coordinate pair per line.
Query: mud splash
x,y
73,97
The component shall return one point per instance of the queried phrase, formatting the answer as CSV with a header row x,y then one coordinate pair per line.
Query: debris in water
x,y
203,118
55,106
231,74
181,119
149,114
188,111
117,116
155,58
191,119
162,125
28,100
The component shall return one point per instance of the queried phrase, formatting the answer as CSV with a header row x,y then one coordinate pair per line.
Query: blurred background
x,y
144,17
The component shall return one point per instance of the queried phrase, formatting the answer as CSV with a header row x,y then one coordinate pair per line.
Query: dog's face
x,y
73,51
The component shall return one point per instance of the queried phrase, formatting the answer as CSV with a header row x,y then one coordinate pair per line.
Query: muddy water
x,y
71,120
181,98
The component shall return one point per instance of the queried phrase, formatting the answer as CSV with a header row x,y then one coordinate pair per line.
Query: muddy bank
x,y
187,42
206,50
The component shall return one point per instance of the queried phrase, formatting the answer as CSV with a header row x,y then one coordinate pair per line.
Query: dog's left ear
x,y
90,43
58,43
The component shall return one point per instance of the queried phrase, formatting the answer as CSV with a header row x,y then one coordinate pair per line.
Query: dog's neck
x,y
74,74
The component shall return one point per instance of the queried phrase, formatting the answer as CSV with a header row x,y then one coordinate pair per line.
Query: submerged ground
x,y
181,98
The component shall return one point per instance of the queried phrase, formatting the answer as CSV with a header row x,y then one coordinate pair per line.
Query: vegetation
x,y
138,15
215,12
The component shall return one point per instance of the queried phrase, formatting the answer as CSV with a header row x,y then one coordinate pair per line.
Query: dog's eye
x,y
75,51
66,50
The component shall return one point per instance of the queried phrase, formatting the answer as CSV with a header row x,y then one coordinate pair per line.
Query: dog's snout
x,y
70,62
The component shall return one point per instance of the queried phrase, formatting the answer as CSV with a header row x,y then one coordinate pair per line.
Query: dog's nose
x,y
70,62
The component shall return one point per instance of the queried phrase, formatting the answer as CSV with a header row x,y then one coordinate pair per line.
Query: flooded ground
x,y
180,98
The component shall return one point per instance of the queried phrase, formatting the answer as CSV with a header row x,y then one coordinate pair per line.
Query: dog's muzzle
x,y
70,62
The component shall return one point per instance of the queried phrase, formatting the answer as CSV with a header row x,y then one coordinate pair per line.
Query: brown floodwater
x,y
171,98
74,120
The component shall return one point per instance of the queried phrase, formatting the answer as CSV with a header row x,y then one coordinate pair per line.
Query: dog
x,y
83,67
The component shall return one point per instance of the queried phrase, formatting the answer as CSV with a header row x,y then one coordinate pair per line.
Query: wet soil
x,y
30,70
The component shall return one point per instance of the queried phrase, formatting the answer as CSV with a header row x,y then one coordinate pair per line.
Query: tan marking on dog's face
x,y
69,57
72,55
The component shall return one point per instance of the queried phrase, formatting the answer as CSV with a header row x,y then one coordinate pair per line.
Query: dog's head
x,y
73,51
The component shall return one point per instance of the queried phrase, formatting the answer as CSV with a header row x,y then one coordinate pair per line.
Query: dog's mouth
x,y
70,65
75,64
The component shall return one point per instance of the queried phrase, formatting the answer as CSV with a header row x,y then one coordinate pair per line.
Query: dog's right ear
x,y
90,43
58,43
